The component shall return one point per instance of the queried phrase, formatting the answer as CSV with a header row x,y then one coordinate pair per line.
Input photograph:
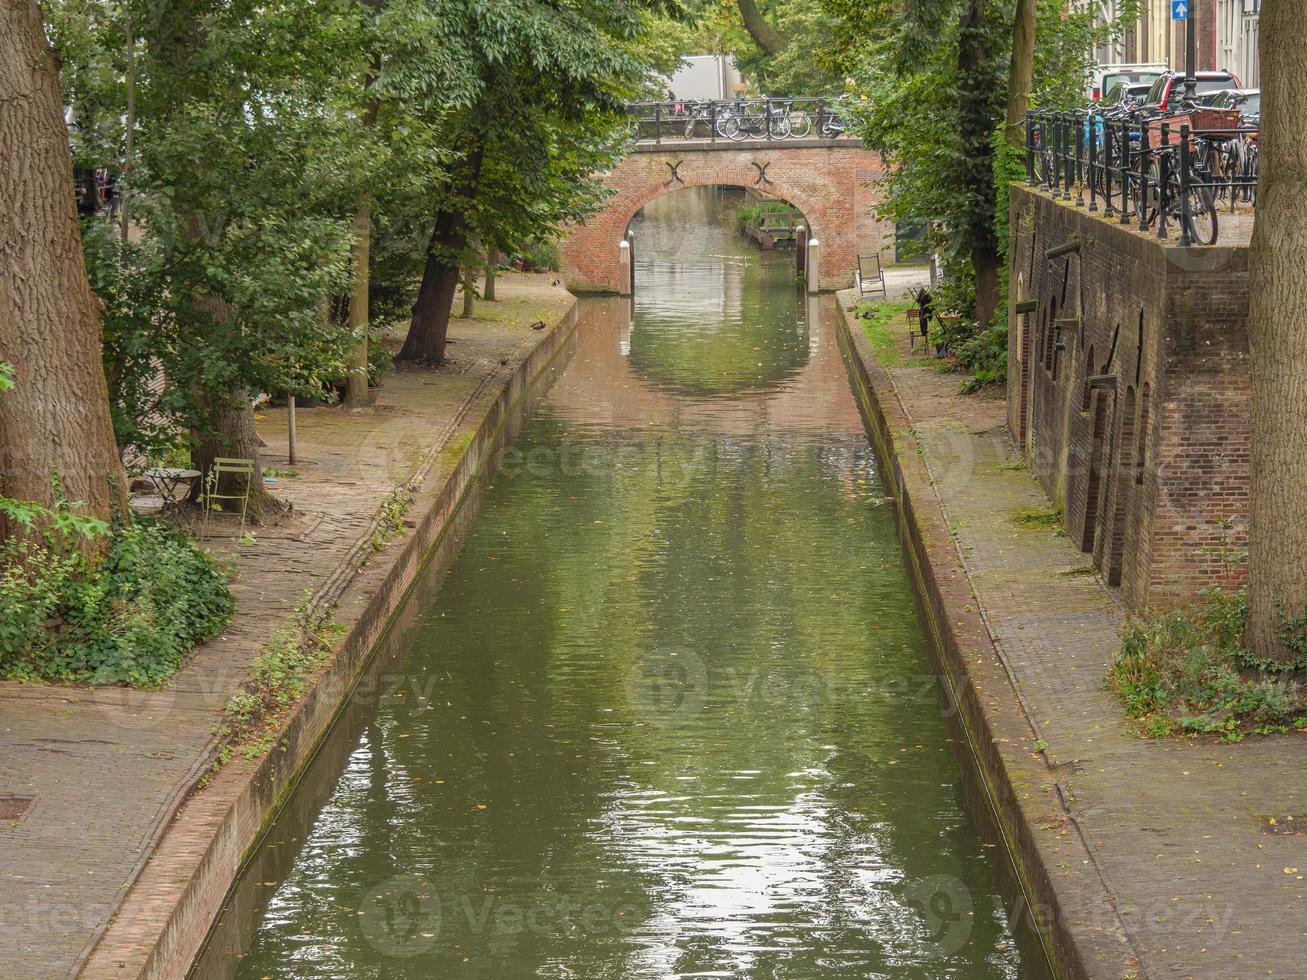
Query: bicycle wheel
x,y
800,124
780,128
1202,215
733,130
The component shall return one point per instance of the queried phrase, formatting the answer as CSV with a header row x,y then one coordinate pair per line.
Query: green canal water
x,y
671,712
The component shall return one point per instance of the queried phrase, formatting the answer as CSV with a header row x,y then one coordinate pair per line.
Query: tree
x,y
55,425
764,35
1021,73
541,114
1277,329
241,196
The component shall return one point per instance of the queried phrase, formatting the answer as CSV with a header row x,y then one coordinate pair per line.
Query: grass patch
x,y
1046,519
1187,672
391,525
277,679
886,328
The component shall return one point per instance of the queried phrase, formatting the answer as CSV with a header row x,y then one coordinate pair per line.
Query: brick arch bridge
x,y
830,181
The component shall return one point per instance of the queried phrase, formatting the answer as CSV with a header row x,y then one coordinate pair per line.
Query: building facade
x,y
1226,35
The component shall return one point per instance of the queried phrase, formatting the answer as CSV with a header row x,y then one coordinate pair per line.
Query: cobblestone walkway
x,y
1178,830
105,769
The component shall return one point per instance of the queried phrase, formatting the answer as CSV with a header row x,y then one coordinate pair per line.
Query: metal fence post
x,y
1030,149
1077,172
658,123
712,121
1093,161
1186,239
1164,161
1055,158
1124,153
1145,151
766,111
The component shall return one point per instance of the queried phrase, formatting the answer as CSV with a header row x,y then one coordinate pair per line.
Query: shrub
x,y
1188,672
128,618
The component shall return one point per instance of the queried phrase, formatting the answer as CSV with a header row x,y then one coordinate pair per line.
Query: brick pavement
x,y
1178,830
106,769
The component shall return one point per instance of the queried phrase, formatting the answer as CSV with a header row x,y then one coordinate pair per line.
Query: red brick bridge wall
x,y
830,181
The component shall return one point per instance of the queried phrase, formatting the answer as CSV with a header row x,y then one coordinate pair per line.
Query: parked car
x,y
1103,77
1169,88
1124,94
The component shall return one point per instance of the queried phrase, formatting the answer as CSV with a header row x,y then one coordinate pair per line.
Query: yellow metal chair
x,y
225,466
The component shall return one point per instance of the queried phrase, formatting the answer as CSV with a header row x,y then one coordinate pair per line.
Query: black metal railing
x,y
736,120
1159,172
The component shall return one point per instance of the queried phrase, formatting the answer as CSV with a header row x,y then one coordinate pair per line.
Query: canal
x,y
671,712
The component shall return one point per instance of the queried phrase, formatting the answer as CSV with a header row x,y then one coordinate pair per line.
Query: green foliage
x,y
241,177
1187,672
127,618
6,376
807,64
934,115
543,255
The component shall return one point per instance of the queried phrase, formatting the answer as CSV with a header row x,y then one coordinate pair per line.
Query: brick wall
x,y
1151,461
832,183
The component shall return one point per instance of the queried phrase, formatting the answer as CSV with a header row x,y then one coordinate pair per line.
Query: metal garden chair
x,y
224,466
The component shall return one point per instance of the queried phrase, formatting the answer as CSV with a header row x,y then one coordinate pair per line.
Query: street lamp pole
x,y
1190,56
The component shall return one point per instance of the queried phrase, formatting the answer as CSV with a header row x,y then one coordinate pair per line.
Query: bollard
x,y
800,250
623,268
630,244
813,277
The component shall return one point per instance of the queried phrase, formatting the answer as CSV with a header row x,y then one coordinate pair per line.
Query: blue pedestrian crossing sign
x,y
1180,9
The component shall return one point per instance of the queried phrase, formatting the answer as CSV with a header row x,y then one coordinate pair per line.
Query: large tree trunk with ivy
x,y
356,382
55,423
1277,335
429,326
976,127
1022,72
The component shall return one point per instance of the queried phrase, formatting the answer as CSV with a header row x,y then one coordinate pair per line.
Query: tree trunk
x,y
1277,333
763,34
492,266
469,292
56,421
356,382
229,418
978,172
1021,74
429,326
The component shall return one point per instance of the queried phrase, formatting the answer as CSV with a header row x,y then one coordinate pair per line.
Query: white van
x,y
1103,77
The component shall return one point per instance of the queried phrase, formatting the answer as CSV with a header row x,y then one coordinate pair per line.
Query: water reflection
x,y
715,315
669,714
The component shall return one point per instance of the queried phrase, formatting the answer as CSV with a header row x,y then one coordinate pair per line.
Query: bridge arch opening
x,y
713,313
